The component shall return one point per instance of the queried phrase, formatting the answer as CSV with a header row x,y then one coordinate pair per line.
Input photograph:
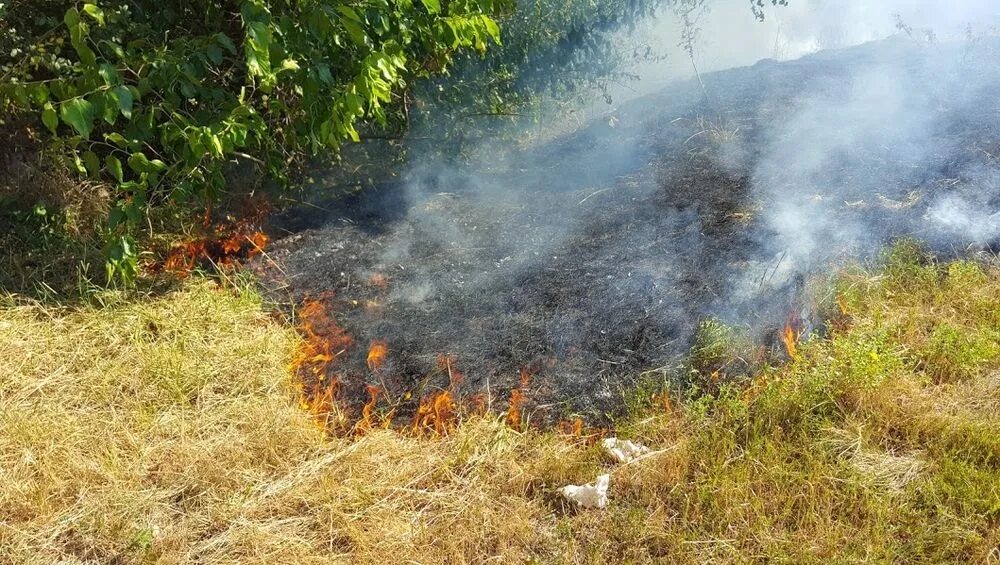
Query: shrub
x,y
156,99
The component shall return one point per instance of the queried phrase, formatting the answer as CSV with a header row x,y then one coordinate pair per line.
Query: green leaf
x,y
94,12
79,115
118,139
40,94
108,107
109,73
216,145
139,163
357,34
214,54
433,6
86,54
349,12
122,260
93,163
77,163
49,117
258,50
72,18
493,29
125,100
114,166
223,40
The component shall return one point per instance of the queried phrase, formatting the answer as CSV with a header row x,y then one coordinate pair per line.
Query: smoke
x,y
728,38
596,253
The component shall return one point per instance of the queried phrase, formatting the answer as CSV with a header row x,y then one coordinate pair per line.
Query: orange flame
x,y
259,242
322,403
517,400
365,424
225,243
439,412
377,353
478,403
790,337
436,412
514,410
323,341
662,401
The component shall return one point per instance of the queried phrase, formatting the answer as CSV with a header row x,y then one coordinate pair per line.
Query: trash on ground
x,y
624,451
591,495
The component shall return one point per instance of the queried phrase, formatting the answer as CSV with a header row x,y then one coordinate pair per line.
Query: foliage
x,y
554,55
159,98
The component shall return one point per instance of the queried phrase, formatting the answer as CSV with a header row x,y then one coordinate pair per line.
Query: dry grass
x,y
163,429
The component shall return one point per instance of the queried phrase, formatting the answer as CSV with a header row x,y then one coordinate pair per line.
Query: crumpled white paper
x,y
592,495
624,451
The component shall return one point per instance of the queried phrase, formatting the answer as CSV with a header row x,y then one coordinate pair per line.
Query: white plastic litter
x,y
624,451
593,495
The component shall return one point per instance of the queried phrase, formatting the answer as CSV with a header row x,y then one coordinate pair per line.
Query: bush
x,y
156,99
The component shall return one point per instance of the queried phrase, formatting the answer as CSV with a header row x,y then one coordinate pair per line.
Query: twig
x,y
266,256
594,194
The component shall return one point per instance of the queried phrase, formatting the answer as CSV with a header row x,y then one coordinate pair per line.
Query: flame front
x,y
517,400
323,341
223,244
436,413
790,337
368,411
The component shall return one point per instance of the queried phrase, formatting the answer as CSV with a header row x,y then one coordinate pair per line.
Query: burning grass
x,y
165,429
221,244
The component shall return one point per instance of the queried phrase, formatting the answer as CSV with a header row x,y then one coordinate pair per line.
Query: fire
x,y
259,241
517,400
478,404
377,353
514,410
365,424
842,305
439,412
323,341
842,321
232,245
790,337
436,412
226,243
322,403
663,402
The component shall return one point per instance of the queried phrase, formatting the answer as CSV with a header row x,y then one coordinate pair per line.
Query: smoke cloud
x,y
816,137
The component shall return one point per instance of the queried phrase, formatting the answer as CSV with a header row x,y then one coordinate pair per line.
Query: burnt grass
x,y
594,258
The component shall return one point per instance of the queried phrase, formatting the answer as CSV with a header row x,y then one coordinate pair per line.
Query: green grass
x,y
165,429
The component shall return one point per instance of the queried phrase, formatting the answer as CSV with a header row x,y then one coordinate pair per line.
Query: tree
x,y
154,98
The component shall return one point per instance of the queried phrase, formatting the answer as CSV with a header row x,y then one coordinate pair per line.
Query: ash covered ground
x,y
594,257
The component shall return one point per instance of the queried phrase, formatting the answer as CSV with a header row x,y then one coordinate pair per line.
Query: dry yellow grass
x,y
164,429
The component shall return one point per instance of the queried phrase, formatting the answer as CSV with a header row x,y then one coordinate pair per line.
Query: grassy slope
x,y
164,429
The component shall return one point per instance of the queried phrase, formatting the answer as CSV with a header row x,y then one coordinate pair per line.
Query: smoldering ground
x,y
593,257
